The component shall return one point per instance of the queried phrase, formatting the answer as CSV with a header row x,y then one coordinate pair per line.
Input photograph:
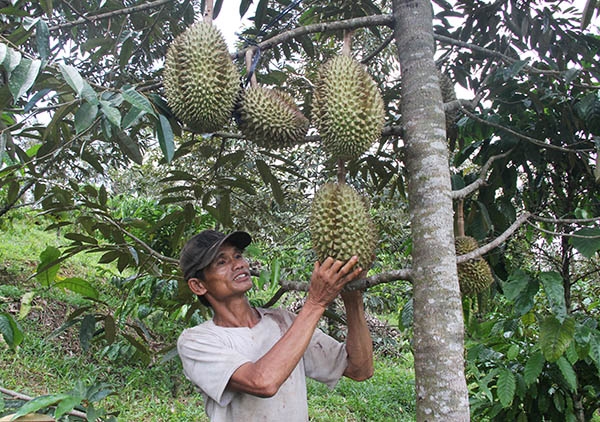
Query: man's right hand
x,y
329,278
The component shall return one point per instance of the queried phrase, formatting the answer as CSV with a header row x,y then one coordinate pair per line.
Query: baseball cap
x,y
201,249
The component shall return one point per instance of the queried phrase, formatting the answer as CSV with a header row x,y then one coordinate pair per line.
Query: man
x,y
250,363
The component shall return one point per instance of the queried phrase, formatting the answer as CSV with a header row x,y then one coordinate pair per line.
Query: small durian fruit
x,y
270,118
474,275
201,81
341,226
347,108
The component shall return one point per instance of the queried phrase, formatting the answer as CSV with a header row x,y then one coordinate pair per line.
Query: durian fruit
x,y
474,275
201,82
270,118
347,108
449,95
340,225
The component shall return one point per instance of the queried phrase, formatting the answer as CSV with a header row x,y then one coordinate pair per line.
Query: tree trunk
x,y
438,321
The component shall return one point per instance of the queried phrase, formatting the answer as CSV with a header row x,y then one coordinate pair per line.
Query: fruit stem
x,y
341,173
249,56
460,218
347,47
208,12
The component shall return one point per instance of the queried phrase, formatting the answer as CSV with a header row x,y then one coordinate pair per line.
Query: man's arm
x,y
264,377
358,340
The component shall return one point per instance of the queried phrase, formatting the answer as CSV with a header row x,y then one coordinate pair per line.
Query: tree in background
x,y
82,99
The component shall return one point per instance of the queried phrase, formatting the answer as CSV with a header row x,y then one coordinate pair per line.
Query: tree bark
x,y
441,388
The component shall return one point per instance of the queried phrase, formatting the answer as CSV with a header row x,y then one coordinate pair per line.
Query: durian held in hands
x,y
340,225
270,118
474,275
200,80
348,109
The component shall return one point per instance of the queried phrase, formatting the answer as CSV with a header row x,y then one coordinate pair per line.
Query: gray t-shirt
x,y
210,355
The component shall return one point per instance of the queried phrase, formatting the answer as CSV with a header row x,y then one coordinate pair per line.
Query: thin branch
x,y
107,15
24,397
520,135
562,234
140,242
565,220
378,50
496,242
492,53
481,181
365,21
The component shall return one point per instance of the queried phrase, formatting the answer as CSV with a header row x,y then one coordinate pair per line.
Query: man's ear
x,y
196,286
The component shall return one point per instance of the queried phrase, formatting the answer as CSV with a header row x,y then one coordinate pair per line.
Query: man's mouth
x,y
241,276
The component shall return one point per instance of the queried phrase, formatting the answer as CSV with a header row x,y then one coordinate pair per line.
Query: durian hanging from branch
x,y
348,109
475,275
269,117
201,81
341,226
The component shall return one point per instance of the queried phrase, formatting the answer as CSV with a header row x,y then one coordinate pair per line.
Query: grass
x,y
158,391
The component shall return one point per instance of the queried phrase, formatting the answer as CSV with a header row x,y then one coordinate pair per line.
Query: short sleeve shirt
x,y
210,355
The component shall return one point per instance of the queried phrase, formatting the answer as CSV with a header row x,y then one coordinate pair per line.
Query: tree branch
x,y
492,53
467,190
107,15
365,21
496,242
520,135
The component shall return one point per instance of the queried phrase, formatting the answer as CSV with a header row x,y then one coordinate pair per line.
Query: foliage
x,y
532,360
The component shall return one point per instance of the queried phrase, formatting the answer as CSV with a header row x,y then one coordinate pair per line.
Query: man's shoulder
x,y
197,330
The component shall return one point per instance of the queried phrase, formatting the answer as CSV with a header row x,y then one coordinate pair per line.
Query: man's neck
x,y
237,313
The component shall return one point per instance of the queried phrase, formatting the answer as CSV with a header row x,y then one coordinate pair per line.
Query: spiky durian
x,y
201,82
347,108
474,275
340,225
270,118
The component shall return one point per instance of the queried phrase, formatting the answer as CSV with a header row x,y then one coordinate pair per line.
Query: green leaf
x,y
553,286
138,100
129,147
166,139
131,117
268,178
595,350
72,77
78,285
555,337
10,330
78,237
533,368
26,300
38,403
589,244
23,77
85,116
112,113
506,387
48,268
567,371
517,282
66,405
87,330
11,60
42,39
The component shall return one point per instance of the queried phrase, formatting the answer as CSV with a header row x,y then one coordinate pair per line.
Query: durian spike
x,y
208,12
249,57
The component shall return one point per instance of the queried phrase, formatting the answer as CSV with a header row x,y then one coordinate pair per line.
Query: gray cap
x,y
202,248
